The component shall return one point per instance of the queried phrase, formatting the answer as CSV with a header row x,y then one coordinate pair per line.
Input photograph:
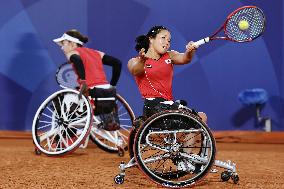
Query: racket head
x,y
255,18
66,76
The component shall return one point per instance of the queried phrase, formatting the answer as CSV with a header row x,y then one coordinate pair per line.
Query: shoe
x,y
111,126
184,165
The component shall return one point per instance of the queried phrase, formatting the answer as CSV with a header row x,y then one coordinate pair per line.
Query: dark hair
x,y
142,41
78,35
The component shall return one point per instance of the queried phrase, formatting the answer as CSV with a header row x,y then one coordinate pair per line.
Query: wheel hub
x,y
175,148
61,122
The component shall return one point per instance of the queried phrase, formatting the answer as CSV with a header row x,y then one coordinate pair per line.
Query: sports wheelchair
x,y
174,148
65,122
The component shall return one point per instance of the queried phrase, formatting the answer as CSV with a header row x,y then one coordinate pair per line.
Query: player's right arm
x,y
186,57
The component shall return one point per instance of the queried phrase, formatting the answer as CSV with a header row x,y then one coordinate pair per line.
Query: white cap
x,y
68,38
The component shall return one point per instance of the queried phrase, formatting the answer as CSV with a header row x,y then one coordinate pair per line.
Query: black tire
x,y
161,167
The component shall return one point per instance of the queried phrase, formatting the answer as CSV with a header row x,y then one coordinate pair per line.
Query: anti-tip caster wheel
x,y
119,179
225,176
120,152
235,178
37,152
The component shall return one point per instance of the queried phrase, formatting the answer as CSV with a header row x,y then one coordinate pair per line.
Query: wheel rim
x,y
61,123
159,159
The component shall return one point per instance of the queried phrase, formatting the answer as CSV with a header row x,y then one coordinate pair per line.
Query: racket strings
x,y
66,77
255,19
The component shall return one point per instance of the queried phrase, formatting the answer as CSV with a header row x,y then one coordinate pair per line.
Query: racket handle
x,y
202,41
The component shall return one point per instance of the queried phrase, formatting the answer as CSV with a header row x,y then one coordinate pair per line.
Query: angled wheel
x,y
61,123
174,149
114,141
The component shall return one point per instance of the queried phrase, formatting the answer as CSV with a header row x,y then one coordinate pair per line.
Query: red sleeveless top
x,y
157,79
94,70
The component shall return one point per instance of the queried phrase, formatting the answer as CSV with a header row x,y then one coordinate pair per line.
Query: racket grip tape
x,y
202,41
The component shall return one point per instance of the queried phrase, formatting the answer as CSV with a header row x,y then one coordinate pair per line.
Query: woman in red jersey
x,y
153,72
153,69
88,64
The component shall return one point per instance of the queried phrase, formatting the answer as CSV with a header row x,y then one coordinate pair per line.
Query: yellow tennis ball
x,y
243,25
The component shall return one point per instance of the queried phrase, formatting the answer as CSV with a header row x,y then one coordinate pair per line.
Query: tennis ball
x,y
243,25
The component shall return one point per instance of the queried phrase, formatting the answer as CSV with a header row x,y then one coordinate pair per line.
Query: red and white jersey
x,y
157,79
94,70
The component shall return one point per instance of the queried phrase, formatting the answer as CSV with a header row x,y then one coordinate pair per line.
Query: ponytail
x,y
142,41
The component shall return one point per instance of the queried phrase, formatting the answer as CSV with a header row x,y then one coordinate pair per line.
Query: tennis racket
x,y
243,25
66,77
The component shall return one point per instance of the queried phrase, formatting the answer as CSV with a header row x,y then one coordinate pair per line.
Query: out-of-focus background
x,y
218,73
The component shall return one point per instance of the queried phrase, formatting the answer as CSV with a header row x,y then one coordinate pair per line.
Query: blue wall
x,y
212,82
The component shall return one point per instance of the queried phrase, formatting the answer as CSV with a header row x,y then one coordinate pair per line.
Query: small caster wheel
x,y
118,179
120,152
235,179
225,176
37,152
126,148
